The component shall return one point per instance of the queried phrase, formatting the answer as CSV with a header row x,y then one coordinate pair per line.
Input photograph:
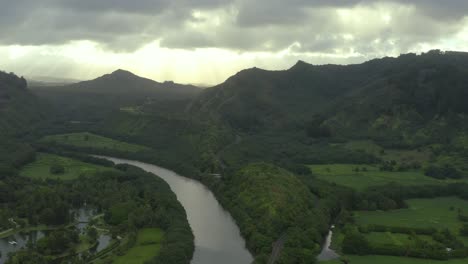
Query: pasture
x,y
438,213
393,260
360,177
40,168
146,247
89,140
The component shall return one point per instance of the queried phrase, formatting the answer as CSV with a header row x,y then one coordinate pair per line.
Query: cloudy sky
x,y
205,41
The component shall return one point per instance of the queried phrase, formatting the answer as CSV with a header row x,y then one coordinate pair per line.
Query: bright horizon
x,y
206,42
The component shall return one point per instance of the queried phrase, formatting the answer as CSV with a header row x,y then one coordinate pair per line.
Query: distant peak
x,y
121,72
301,63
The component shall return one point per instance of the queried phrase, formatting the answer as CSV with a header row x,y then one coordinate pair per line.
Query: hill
x,y
389,98
121,82
18,106
20,114
94,100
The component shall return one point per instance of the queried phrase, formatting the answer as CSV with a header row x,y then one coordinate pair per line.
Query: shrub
x,y
57,169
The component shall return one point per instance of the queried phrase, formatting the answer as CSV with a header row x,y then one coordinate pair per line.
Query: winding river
x,y
217,237
328,253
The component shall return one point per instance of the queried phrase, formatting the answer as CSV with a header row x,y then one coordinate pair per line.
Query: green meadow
x,y
389,238
146,247
439,213
369,175
89,140
400,156
40,168
393,260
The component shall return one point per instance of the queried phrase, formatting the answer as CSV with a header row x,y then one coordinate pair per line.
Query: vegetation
x,y
89,140
147,247
439,213
269,202
362,176
49,166
390,260
142,210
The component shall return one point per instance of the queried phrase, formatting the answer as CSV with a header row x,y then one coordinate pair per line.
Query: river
x,y
328,253
217,237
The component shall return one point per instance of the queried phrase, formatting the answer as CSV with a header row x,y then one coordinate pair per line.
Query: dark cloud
x,y
261,25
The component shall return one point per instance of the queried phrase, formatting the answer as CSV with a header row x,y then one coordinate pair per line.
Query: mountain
x,y
20,114
383,98
95,100
122,82
416,100
19,108
257,97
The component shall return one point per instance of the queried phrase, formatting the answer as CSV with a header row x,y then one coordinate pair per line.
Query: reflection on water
x,y
217,237
21,239
103,242
82,217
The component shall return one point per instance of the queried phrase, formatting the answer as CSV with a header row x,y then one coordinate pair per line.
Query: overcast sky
x,y
206,41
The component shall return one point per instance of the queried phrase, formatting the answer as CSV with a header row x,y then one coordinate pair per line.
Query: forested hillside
x,y
19,108
20,114
384,98
120,90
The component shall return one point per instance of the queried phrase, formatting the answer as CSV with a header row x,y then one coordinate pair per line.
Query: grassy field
x,y
393,260
344,174
40,169
89,140
400,156
392,238
435,213
146,247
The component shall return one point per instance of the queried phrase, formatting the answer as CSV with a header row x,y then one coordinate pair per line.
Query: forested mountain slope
x,y
18,106
94,100
121,82
20,114
383,98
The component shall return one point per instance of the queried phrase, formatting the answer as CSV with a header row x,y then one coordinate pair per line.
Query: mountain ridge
x,y
347,97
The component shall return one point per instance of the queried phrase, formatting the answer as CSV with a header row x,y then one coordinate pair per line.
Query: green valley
x,y
379,153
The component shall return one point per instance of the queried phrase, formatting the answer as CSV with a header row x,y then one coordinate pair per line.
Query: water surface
x,y
328,253
217,237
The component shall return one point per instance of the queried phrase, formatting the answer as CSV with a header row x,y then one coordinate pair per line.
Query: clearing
x,y
89,140
40,168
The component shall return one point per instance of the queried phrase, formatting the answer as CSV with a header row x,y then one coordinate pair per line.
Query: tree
x,y
57,169
464,230
345,260
92,234
355,243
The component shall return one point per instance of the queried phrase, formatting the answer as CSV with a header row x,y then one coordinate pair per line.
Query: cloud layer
x,y
342,31
244,25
